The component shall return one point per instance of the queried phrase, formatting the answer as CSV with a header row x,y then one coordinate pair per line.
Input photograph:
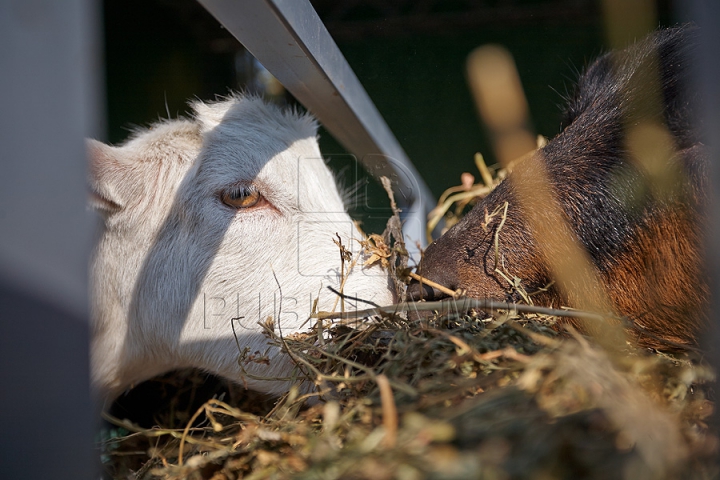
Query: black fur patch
x,y
602,191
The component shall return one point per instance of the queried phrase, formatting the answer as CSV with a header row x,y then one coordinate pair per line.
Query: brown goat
x,y
643,244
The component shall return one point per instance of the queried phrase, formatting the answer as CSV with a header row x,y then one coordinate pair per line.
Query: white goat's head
x,y
200,218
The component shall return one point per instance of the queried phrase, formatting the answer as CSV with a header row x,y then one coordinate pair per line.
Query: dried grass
x,y
452,396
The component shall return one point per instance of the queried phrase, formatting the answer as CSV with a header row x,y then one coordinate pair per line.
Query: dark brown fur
x,y
643,246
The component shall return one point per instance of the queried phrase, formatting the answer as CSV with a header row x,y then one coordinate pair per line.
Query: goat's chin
x,y
370,286
274,378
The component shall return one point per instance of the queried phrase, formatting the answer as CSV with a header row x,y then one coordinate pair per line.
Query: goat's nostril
x,y
416,291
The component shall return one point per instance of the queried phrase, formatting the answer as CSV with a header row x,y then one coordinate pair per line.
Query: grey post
x,y
48,87
706,13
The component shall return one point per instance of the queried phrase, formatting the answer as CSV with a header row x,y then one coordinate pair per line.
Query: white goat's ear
x,y
105,171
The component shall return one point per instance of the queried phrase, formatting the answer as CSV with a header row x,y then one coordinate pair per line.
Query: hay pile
x,y
453,393
444,397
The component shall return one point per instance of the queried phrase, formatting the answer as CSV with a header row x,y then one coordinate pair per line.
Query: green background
x,y
161,53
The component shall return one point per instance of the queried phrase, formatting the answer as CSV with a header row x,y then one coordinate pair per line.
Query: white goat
x,y
200,216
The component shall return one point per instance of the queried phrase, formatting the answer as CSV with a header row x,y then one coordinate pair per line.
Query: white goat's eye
x,y
241,197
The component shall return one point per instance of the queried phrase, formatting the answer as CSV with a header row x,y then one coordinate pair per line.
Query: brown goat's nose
x,y
416,292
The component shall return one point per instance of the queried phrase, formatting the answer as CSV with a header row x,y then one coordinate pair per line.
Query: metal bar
x,y
49,84
290,40
706,13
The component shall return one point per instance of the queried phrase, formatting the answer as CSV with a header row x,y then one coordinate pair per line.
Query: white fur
x,y
174,264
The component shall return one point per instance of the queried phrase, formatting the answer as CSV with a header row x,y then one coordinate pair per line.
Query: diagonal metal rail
x,y
290,40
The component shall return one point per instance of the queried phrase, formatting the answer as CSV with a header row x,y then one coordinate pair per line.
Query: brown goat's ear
x,y
105,169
